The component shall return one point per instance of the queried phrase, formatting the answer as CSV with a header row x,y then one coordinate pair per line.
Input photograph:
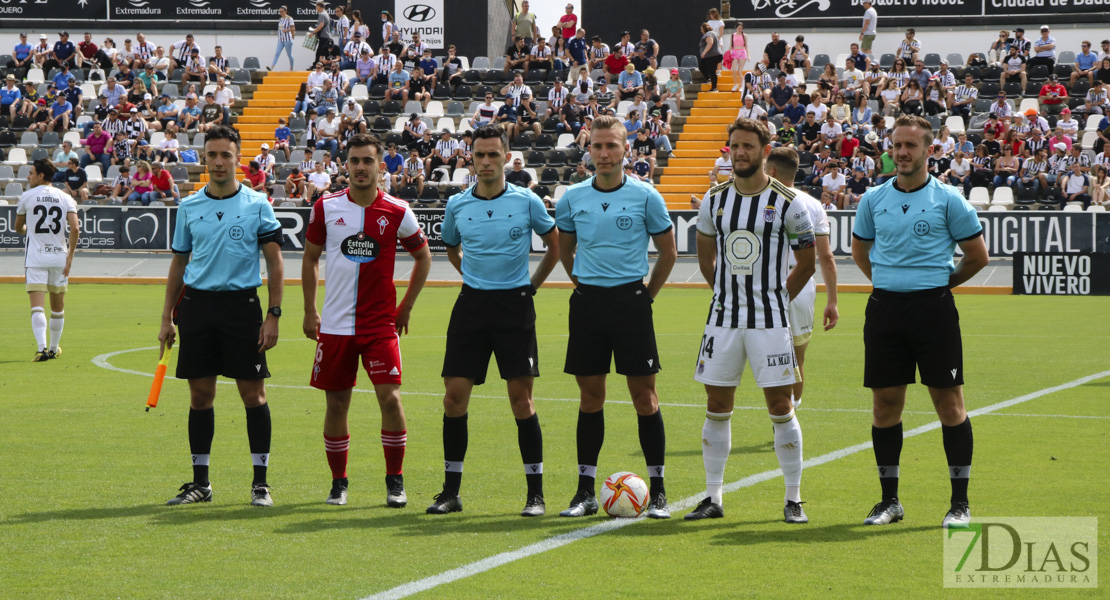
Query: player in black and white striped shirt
x,y
962,99
746,230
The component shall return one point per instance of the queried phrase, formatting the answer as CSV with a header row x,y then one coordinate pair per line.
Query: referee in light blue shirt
x,y
488,233
906,231
212,290
608,219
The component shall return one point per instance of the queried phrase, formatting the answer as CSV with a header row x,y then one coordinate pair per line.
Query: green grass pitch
x,y
85,472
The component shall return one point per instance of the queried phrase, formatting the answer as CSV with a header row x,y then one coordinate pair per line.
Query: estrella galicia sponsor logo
x,y
624,222
1014,552
419,13
921,228
235,233
515,233
359,248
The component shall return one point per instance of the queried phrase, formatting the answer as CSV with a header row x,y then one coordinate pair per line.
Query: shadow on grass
x,y
1096,384
170,515
753,533
767,446
419,524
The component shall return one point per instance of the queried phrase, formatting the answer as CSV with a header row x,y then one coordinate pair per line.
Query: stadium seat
x,y
993,208
1073,207
955,124
549,176
92,172
371,108
392,108
430,194
1003,196
820,61
442,92
29,139
544,142
686,76
16,156
1079,88
1089,139
979,197
7,174
988,89
522,142
558,193
1027,103
542,191
296,157
250,63
1013,89
565,140
955,60
7,139
445,123
13,190
454,109
1067,57
535,76
360,92
534,158
689,61
1063,71
556,158
1097,208
434,110
886,61
413,106
462,93
407,192
471,77
179,173
1038,73
377,91
451,190
498,63
481,63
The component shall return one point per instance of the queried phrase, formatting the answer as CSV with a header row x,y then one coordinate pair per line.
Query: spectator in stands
x,y
188,117
527,119
1076,156
833,185
413,173
517,56
506,115
1068,125
195,69
1053,97
328,97
831,131
444,155
162,188
993,145
140,183
630,83
909,48
287,30
122,149
1001,109
1034,121
583,87
606,99
935,97
786,135
211,114
61,160
365,68
962,99
218,65
1057,167
167,112
855,188
851,84
225,97
1096,101
149,77
580,174
633,124
106,56
62,77
841,111
570,117
420,88
398,84
1000,48
168,148
750,110
1099,185
121,186
22,54
322,31
774,53
809,133
615,65
540,57
959,172
578,50
982,167
254,178
848,144
921,74
63,54
1007,168
1013,67
266,161
1076,187
582,140
1102,73
891,99
328,133
180,51
41,52
798,55
317,78
1044,50
295,184
913,98
899,74
394,165
885,166
319,181
160,63
523,25
780,95
143,52
97,145
863,162
709,56
817,106
518,176
10,97
1032,175
874,80
61,112
659,132
112,92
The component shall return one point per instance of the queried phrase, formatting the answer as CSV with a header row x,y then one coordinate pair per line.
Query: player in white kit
x,y
782,164
43,213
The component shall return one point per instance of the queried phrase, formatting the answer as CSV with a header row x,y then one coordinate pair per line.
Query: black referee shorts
x,y
914,329
219,335
608,324
498,322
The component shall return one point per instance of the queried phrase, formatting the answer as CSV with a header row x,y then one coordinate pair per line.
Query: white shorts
x,y
801,313
46,279
770,352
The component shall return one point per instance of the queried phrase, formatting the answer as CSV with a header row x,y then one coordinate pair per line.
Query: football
x,y
624,494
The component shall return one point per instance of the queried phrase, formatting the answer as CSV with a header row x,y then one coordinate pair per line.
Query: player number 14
x,y
707,345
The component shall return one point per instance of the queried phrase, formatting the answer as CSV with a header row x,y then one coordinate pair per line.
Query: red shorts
x,y
336,364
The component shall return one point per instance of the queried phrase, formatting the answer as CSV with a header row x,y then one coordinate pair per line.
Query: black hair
x,y
493,131
223,132
359,140
45,168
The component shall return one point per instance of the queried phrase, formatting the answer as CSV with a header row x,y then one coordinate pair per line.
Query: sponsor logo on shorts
x,y
360,248
776,360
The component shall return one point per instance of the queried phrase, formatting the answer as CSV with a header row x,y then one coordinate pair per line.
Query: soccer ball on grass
x,y
624,494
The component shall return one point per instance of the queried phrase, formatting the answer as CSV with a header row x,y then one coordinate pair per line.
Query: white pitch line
x,y
552,543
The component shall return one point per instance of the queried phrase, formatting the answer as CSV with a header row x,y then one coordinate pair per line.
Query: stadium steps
x,y
272,99
699,143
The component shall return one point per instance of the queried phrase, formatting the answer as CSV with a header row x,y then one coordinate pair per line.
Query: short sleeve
x,y
409,232
182,238
268,225
317,231
449,231
563,218
963,220
864,227
542,223
706,226
656,215
799,227
21,206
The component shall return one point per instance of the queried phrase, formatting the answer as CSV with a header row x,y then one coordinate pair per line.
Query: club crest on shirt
x,y
769,214
382,224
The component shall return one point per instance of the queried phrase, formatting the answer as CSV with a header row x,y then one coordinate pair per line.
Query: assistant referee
x,y
905,233
212,288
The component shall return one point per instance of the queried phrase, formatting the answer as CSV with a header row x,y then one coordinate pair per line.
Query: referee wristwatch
x,y
274,310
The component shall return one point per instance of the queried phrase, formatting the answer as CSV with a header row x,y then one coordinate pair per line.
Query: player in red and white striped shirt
x,y
359,228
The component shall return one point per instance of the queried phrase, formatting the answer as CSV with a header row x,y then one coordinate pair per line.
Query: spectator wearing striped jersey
x,y
910,47
540,56
962,99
